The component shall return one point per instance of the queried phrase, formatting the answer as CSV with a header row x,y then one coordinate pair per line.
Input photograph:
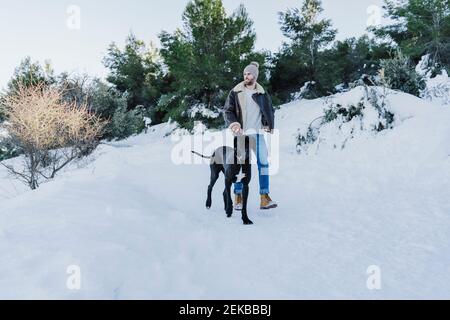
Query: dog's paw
x,y
248,222
229,215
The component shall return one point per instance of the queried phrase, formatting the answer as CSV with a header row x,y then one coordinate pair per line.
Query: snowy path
x,y
135,223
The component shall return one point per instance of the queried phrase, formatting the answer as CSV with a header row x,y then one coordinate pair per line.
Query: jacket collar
x,y
241,87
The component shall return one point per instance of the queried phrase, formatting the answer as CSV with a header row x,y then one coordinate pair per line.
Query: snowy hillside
x,y
135,222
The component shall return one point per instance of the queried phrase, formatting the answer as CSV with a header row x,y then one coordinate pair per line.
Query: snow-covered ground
x,y
135,223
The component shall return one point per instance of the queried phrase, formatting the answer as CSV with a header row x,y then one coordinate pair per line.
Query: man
x,y
248,110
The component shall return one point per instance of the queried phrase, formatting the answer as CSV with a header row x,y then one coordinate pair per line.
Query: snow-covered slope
x,y
135,222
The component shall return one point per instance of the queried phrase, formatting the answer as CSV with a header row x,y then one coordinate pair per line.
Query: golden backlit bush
x,y
49,131
40,119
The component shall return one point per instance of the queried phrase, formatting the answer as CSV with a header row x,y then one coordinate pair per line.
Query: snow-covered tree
x,y
399,73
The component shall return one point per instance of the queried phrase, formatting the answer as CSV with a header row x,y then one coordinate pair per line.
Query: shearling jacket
x,y
234,109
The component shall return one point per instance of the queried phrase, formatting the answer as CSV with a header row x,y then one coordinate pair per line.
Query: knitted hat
x,y
253,68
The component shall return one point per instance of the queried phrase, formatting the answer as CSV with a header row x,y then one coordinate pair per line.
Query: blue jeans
x,y
263,165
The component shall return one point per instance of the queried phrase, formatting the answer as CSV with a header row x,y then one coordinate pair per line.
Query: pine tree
x,y
30,73
307,31
420,27
399,73
348,60
298,60
134,71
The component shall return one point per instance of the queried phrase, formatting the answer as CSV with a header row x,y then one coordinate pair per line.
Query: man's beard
x,y
249,82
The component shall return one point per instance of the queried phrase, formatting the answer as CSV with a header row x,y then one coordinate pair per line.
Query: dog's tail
x,y
200,155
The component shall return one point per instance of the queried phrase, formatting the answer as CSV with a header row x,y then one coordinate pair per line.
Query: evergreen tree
x,y
350,59
399,73
420,27
111,105
30,73
205,59
298,61
134,71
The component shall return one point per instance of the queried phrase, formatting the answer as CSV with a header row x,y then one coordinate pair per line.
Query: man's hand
x,y
236,128
267,129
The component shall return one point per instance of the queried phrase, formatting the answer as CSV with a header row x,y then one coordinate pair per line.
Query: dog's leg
x,y
245,190
227,197
215,171
225,201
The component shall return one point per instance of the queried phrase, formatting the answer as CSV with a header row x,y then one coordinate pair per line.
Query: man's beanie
x,y
253,68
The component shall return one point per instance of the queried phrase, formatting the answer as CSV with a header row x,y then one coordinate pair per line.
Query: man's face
x,y
249,79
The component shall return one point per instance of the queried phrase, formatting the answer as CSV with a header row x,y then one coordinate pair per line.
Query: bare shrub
x,y
50,131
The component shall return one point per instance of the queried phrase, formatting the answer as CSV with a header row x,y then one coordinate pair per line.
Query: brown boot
x,y
238,202
267,203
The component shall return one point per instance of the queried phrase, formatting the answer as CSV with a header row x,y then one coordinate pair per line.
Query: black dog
x,y
231,162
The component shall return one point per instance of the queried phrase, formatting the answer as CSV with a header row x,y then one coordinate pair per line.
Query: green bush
x,y
109,104
399,74
126,123
7,150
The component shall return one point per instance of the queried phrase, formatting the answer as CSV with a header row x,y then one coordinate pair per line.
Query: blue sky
x,y
39,28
